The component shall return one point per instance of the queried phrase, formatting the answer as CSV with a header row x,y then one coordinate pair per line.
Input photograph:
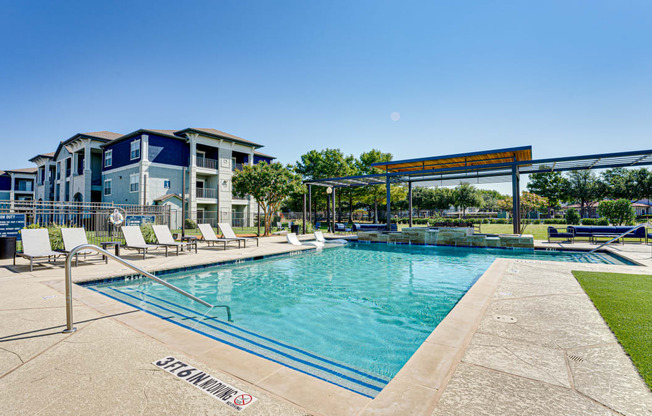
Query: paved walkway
x,y
543,349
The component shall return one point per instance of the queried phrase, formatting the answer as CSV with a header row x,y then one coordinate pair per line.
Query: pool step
x,y
216,327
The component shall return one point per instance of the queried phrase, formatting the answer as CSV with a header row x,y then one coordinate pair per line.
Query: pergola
x,y
492,166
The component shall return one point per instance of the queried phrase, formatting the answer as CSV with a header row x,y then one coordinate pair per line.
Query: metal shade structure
x,y
491,166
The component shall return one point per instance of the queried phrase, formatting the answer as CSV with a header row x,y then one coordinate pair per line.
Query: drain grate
x,y
576,358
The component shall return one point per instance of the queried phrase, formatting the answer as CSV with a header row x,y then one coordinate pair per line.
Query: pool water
x,y
352,316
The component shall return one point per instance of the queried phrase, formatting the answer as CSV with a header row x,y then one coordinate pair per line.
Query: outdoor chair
x,y
164,237
294,240
134,240
209,236
36,245
319,237
75,237
568,234
227,233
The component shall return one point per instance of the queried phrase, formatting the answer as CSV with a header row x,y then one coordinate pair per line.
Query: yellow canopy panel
x,y
461,160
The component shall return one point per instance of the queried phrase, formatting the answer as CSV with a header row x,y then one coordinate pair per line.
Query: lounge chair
x,y
164,237
74,237
134,240
228,233
319,236
209,235
294,240
36,245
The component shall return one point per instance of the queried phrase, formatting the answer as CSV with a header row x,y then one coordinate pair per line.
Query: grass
x,y
625,303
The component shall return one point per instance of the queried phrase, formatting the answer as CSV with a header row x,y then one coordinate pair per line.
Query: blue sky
x,y
567,77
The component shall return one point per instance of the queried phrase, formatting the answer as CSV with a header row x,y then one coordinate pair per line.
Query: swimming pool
x,y
352,316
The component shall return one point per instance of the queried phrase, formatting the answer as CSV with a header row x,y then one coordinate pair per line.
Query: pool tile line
x,y
281,353
133,276
235,346
290,347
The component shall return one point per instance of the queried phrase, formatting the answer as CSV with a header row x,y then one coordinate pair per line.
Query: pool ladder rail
x,y
68,279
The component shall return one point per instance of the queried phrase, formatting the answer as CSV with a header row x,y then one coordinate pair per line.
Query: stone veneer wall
x,y
449,237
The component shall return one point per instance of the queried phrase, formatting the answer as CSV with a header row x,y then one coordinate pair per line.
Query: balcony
x,y
237,166
206,193
206,163
24,187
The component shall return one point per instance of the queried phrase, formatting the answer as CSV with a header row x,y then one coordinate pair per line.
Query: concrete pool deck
x,y
558,358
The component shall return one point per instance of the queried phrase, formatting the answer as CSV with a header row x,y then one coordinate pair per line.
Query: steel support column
x,y
389,203
410,204
516,200
333,211
304,213
310,203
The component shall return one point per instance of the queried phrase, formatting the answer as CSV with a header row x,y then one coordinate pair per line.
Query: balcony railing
x,y
206,193
204,162
237,166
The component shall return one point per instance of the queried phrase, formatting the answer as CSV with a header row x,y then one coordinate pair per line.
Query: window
x,y
133,182
135,149
68,167
107,187
108,158
166,184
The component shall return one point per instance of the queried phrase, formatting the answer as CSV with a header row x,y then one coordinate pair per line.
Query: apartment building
x,y
74,171
17,184
146,165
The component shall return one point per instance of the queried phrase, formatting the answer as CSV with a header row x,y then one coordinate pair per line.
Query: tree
x,y
582,187
572,217
550,185
441,199
466,196
620,212
619,183
490,199
373,193
531,202
269,184
322,164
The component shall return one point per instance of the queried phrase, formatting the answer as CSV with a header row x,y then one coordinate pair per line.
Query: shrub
x,y
56,240
572,216
34,226
148,233
190,224
620,212
554,221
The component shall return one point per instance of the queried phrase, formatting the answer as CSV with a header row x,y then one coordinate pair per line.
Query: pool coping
x,y
414,390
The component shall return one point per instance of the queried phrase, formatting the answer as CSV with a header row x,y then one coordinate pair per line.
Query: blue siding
x,y
168,151
121,154
5,182
258,159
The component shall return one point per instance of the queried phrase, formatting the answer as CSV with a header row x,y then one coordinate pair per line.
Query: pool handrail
x,y
68,280
647,224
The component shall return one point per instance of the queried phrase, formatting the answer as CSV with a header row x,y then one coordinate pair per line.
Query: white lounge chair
x,y
134,240
228,233
74,237
164,237
36,245
319,236
209,236
294,240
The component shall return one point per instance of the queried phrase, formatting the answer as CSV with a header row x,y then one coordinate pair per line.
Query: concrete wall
x,y
156,177
120,186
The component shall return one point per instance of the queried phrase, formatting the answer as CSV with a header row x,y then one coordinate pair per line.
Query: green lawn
x,y
625,303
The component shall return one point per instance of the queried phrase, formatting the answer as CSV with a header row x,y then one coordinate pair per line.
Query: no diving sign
x,y
223,392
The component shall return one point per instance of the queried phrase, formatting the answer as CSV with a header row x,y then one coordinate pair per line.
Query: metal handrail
x,y
647,224
74,251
